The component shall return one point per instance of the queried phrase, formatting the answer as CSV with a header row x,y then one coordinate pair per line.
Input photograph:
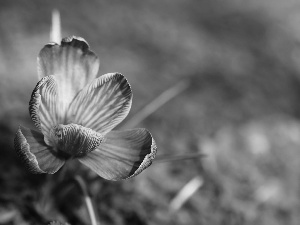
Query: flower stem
x,y
87,199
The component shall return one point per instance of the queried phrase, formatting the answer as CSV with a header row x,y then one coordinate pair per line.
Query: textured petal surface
x,y
73,64
123,154
43,106
103,104
74,140
35,154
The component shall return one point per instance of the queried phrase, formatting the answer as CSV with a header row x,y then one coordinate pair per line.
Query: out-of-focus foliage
x,y
242,109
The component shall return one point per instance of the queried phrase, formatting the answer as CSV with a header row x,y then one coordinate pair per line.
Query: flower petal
x,y
103,104
73,64
35,154
122,155
44,107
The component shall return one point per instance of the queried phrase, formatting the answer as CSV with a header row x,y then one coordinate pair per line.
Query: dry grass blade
x,y
162,99
185,193
55,32
171,158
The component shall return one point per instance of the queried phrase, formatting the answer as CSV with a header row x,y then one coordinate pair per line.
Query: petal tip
x,y
120,77
147,161
50,44
74,41
71,61
35,100
123,82
23,151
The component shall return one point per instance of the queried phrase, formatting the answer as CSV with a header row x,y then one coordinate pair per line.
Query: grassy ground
x,y
241,109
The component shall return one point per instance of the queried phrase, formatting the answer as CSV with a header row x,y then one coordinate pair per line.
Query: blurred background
x,y
239,104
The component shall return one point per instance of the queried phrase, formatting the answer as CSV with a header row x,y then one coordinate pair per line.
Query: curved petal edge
x,y
34,153
147,160
42,104
122,155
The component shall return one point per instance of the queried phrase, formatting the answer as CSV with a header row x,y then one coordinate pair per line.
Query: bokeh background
x,y
240,62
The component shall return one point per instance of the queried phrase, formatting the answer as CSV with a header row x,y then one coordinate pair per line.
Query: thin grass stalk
x,y
158,102
55,32
170,158
185,193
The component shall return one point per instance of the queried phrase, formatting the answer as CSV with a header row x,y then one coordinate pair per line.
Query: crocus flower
x,y
75,113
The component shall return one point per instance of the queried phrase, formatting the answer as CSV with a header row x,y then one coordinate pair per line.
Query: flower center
x,y
74,140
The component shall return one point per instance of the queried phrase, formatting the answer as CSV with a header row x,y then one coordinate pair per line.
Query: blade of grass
x,y
55,32
158,102
185,193
171,158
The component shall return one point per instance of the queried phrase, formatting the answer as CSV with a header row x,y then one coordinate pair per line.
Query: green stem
x,y
87,199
